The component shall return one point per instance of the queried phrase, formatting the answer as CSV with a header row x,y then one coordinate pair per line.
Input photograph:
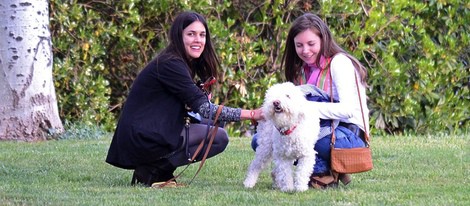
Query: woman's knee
x,y
323,147
221,140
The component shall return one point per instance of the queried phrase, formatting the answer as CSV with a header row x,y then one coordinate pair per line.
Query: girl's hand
x,y
256,114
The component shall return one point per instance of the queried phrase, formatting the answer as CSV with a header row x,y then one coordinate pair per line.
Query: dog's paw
x,y
302,188
248,183
286,189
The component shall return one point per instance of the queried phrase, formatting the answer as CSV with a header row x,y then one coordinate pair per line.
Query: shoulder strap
x,y
333,136
324,78
366,134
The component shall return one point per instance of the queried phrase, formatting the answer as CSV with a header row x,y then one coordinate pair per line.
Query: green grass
x,y
422,170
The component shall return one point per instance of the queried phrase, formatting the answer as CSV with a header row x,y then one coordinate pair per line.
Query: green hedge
x,y
417,54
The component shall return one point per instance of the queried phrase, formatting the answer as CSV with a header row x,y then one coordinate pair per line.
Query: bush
x,y
417,54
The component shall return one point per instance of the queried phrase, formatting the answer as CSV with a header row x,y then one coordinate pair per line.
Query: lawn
x,y
416,170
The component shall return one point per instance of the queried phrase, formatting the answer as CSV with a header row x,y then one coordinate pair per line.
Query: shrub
x,y
417,54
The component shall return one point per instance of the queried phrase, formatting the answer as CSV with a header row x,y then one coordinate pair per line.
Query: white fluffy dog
x,y
288,133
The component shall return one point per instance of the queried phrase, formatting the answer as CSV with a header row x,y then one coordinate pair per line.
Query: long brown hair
x,y
292,62
207,64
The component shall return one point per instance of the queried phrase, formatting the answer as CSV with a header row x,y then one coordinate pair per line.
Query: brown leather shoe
x,y
345,178
323,182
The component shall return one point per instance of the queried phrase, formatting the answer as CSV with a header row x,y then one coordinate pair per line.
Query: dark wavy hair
x,y
292,62
207,64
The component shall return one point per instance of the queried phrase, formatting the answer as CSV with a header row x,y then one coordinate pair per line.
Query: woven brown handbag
x,y
351,160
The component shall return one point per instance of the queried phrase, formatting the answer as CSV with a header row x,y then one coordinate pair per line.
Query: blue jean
x,y
345,138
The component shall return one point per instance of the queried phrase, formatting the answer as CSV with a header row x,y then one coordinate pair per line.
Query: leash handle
x,y
212,133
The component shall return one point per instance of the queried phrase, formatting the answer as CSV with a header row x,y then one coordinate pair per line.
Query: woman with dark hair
x,y
151,137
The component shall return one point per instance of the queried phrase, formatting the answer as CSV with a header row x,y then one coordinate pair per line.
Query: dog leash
x,y
211,134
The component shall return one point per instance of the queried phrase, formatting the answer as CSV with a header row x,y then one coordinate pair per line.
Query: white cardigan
x,y
344,89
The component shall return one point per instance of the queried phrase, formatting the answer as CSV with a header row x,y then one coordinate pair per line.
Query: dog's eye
x,y
288,96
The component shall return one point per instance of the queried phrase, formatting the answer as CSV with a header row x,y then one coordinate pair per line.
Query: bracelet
x,y
252,114
253,121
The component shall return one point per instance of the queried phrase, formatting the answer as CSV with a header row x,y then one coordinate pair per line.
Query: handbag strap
x,y
333,136
366,133
211,135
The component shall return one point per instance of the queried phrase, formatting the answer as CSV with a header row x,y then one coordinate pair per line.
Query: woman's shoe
x,y
322,181
345,178
167,184
145,175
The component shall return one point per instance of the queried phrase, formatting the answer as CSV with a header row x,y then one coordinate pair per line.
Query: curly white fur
x,y
285,108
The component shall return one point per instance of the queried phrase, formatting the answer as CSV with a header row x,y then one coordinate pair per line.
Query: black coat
x,y
151,120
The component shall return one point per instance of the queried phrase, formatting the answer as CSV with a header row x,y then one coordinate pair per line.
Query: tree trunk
x,y
28,104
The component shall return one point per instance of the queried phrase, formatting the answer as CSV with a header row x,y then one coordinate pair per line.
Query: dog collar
x,y
288,131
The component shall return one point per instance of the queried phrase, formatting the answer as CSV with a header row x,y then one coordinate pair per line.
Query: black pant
x,y
197,133
163,168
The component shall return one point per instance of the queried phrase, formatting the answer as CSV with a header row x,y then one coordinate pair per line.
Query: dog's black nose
x,y
277,106
276,103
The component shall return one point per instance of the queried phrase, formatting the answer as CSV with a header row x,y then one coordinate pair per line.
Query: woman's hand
x,y
256,114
